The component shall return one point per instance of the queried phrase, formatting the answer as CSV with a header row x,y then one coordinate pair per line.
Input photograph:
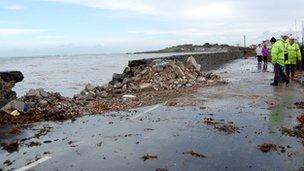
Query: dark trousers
x,y
290,69
278,73
260,58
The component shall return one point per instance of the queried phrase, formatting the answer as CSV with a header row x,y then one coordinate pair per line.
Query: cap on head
x,y
273,40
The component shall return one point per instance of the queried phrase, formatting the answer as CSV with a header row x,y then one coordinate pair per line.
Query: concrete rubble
x,y
143,82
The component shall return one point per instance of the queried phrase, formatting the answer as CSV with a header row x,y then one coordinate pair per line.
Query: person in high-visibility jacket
x,y
278,56
294,56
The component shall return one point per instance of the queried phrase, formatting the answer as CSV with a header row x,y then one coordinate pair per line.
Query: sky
x,y
58,27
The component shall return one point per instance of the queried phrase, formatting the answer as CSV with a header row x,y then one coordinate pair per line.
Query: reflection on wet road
x,y
221,130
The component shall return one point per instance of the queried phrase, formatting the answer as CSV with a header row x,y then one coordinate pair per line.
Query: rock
x,y
103,94
100,88
33,93
127,81
117,78
15,113
137,63
79,97
118,86
9,76
43,93
129,96
89,87
188,85
117,91
90,95
15,105
134,87
143,71
179,71
83,93
201,79
192,63
7,82
190,76
146,87
43,103
209,75
158,68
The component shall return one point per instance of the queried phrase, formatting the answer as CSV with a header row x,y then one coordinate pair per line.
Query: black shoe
x,y
287,82
273,84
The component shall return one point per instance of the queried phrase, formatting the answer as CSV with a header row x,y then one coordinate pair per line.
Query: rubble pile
x,y
143,82
152,75
7,82
37,105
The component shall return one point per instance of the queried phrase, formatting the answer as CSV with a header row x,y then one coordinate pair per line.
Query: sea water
x,y
68,74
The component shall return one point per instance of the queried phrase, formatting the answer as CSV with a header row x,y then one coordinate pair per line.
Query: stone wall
x,y
208,61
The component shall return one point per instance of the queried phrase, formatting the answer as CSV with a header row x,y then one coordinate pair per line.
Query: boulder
x,y
33,93
137,63
192,63
117,78
146,87
179,72
7,82
89,87
18,105
9,76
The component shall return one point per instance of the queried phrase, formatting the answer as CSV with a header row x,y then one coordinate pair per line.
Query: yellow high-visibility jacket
x,y
294,53
278,50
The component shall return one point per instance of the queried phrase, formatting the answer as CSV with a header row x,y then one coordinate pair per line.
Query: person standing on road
x,y
265,54
259,53
294,57
278,51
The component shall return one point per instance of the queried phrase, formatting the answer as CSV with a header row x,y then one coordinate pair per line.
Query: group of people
x,y
262,53
285,54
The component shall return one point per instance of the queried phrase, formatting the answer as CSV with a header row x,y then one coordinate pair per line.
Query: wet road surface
x,y
117,141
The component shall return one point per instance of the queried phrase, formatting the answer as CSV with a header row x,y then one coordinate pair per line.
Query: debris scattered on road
x,y
15,131
99,144
299,105
8,162
47,141
296,131
161,169
10,147
32,144
43,131
220,125
195,154
266,147
149,157
148,129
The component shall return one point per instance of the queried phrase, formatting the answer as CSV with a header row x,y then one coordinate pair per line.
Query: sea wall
x,y
208,61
